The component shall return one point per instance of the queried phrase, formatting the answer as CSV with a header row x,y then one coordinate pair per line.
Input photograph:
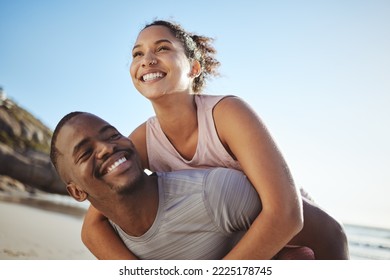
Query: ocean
x,y
368,243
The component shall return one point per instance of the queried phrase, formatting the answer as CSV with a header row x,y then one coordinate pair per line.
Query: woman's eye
x,y
162,48
136,54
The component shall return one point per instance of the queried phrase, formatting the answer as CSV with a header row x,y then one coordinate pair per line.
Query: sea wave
x,y
51,202
369,243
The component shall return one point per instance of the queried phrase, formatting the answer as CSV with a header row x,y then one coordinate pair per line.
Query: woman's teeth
x,y
152,76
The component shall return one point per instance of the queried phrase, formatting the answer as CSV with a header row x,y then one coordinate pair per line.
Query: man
x,y
197,214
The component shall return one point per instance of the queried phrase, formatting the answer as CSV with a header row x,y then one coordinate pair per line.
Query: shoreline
x,y
39,230
62,204
42,226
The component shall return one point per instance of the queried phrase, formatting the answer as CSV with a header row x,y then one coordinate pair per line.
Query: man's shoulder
x,y
225,178
185,174
201,175
210,179
183,181
223,172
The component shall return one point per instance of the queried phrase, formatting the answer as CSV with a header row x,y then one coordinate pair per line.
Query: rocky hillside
x,y
24,151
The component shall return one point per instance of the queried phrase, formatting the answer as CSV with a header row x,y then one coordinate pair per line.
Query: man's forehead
x,y
85,120
77,128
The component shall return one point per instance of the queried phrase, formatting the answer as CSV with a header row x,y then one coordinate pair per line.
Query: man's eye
x,y
85,155
115,136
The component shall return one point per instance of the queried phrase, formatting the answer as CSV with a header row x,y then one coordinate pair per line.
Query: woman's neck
x,y
177,115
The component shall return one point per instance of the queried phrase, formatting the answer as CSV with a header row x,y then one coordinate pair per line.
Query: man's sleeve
x,y
232,201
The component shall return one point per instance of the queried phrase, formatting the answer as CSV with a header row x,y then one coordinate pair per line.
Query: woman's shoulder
x,y
205,96
230,114
209,101
229,104
138,137
138,132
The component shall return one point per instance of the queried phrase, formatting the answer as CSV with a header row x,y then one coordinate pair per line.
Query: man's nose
x,y
104,150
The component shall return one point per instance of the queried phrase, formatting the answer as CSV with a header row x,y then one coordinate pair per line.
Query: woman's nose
x,y
149,60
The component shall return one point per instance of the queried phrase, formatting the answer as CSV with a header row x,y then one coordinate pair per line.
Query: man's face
x,y
96,158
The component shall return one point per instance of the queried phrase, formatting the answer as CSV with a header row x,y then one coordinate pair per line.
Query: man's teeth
x,y
116,164
152,76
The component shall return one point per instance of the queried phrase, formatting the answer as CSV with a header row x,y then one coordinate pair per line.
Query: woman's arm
x,y
97,233
244,135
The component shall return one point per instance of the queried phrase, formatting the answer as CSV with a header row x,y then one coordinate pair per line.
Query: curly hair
x,y
196,47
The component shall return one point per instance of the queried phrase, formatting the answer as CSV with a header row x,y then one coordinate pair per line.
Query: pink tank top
x,y
209,153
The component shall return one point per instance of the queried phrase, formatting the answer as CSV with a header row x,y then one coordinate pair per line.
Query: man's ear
x,y
195,68
75,192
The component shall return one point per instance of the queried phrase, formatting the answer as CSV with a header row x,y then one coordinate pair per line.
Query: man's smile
x,y
118,161
115,165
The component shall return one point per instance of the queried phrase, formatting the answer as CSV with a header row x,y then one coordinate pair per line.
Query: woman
x,y
190,130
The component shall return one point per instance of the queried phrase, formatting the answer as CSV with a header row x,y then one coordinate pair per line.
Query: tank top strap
x,y
210,152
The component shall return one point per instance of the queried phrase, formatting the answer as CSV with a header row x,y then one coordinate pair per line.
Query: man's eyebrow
x,y
156,43
106,127
84,141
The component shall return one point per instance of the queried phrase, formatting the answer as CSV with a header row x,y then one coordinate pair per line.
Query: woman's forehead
x,y
155,32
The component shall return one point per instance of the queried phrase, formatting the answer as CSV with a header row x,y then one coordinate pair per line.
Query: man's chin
x,y
126,187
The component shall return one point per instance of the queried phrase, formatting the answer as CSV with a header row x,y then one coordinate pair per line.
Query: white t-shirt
x,y
202,214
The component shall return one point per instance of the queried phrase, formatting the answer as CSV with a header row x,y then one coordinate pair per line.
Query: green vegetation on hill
x,y
22,131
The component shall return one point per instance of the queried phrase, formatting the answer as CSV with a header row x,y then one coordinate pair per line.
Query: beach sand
x,y
32,231
47,227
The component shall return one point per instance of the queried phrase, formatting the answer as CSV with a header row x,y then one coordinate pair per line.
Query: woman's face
x,y
159,64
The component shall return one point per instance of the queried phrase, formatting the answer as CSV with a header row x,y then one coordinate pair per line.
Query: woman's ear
x,y
75,192
195,68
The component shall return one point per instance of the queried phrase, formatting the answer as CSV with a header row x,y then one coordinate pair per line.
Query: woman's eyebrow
x,y
156,43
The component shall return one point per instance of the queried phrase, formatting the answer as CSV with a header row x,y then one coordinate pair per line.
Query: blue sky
x,y
317,72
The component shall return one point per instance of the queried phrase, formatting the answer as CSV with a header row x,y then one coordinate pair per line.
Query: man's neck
x,y
135,212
